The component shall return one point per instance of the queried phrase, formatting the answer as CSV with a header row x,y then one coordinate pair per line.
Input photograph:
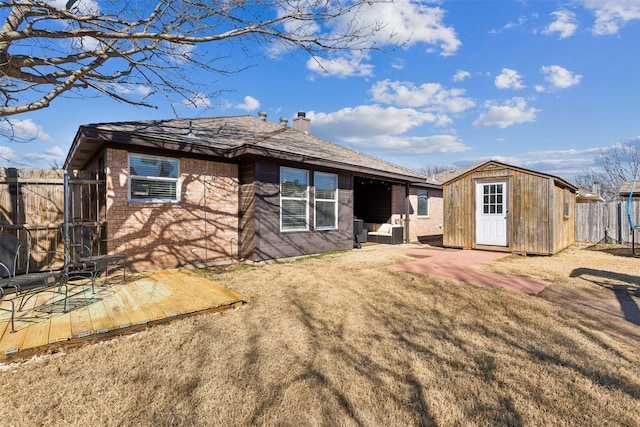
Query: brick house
x,y
207,190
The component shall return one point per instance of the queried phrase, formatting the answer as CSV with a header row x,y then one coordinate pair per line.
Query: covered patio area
x,y
114,308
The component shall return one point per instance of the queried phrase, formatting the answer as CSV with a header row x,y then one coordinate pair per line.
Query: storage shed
x,y
496,206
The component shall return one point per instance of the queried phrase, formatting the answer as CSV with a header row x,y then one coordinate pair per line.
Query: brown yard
x,y
345,340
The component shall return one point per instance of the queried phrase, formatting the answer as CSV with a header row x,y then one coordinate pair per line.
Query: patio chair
x,y
17,283
87,258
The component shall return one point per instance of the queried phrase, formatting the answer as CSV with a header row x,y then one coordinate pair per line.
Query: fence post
x,y
619,210
65,210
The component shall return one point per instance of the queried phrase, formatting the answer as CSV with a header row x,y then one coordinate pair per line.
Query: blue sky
x,y
543,85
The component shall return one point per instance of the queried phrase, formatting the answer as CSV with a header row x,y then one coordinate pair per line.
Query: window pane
x,y
423,202
326,186
153,166
294,214
293,183
422,206
325,214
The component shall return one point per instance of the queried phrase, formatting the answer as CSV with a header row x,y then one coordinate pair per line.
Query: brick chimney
x,y
301,123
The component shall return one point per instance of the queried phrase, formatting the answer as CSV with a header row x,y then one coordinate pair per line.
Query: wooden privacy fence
x,y
32,200
605,222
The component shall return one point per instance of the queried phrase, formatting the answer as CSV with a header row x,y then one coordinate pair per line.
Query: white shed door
x,y
491,213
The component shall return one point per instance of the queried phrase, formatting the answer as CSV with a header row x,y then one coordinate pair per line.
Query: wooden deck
x,y
112,309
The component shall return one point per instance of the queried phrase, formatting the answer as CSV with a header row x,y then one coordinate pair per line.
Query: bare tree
x,y
618,164
53,47
433,170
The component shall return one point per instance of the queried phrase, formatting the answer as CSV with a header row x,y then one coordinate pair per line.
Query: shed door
x,y
491,213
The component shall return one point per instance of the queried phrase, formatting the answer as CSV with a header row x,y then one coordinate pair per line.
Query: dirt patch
x,y
347,340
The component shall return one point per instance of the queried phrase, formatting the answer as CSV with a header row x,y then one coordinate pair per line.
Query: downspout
x,y
407,207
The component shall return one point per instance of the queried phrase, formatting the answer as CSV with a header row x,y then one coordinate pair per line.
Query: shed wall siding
x,y
459,214
530,214
200,229
272,243
564,227
536,223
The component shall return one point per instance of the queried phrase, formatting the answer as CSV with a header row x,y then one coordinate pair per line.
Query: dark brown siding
x,y
271,243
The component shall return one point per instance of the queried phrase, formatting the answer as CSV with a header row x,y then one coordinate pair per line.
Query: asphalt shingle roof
x,y
233,136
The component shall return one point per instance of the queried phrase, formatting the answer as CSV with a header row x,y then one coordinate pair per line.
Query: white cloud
x,y
82,7
23,130
131,89
521,20
398,64
376,128
179,52
199,100
512,112
49,156
430,96
249,104
509,79
369,120
85,43
403,22
349,65
559,77
412,145
407,22
461,75
611,15
7,156
564,24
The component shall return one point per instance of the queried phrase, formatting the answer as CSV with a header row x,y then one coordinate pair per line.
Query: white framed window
x,y
423,203
294,199
567,203
326,200
153,178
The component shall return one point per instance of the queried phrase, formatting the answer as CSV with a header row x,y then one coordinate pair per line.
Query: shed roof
x,y
627,186
453,175
233,137
449,175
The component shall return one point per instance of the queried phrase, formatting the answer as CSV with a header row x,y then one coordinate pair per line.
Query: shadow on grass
x,y
431,352
620,250
624,290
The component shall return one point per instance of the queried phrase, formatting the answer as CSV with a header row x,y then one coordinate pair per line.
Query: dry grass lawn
x,y
344,340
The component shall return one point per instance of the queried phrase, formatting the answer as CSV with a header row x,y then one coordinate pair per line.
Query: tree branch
x,y
42,48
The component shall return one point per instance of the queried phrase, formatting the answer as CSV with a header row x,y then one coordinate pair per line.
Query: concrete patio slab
x,y
456,264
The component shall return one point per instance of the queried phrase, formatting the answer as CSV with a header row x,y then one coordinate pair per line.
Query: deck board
x,y
37,332
145,298
80,297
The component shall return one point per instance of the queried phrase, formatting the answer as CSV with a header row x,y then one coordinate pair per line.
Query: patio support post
x,y
65,225
407,207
